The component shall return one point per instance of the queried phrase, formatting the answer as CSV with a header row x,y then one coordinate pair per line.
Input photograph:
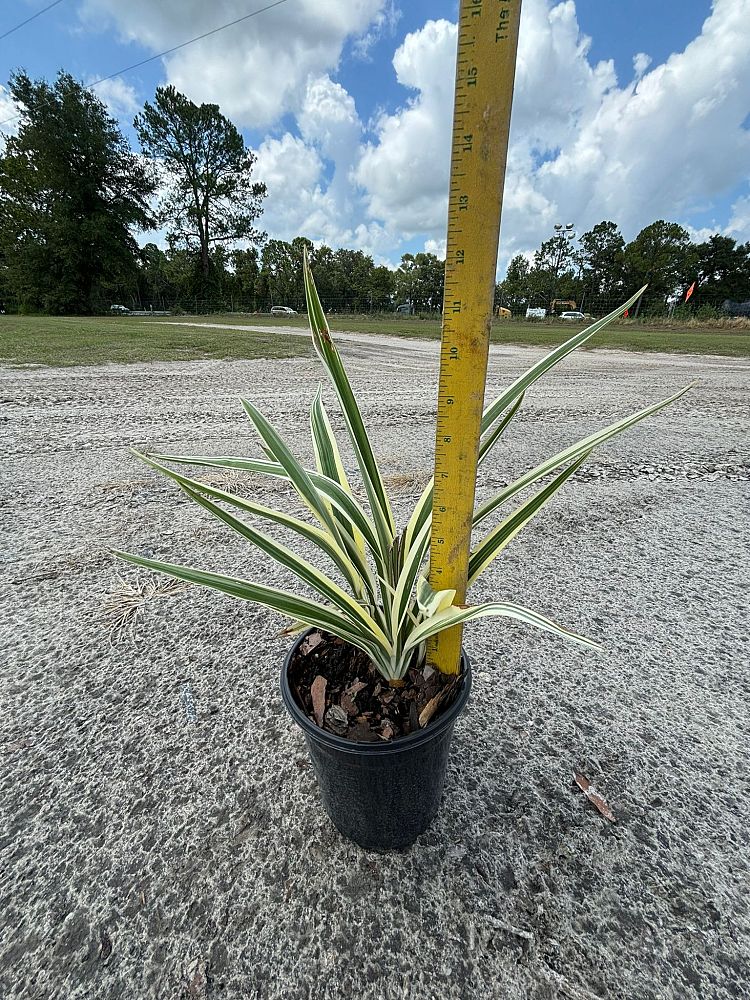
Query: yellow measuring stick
x,y
485,70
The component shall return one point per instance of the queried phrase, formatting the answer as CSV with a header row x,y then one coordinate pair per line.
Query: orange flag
x,y
690,291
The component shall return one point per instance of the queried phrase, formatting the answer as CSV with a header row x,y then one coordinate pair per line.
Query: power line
x,y
38,14
166,52
190,41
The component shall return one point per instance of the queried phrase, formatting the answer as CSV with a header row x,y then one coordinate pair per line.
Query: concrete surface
x,y
161,835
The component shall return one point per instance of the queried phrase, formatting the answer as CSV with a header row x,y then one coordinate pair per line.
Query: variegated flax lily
x,y
389,609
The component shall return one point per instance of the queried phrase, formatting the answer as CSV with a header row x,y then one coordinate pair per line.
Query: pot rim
x,y
399,745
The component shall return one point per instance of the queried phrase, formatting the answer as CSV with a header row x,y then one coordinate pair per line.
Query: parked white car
x,y
283,311
119,310
572,316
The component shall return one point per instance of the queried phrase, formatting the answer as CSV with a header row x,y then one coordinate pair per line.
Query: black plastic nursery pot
x,y
380,795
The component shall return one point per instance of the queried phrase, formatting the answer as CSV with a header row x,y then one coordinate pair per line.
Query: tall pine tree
x,y
210,197
71,194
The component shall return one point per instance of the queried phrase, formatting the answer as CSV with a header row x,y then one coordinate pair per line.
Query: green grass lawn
x,y
624,335
91,340
65,340
631,337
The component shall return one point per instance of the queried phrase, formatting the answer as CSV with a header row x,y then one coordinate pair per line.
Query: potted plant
x,y
377,718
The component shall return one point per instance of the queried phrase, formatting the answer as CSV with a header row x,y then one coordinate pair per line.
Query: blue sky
x,y
628,111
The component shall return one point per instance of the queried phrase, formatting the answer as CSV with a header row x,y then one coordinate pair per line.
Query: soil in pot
x,y
341,692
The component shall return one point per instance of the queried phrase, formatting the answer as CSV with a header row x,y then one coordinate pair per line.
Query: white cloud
x,y
257,70
405,171
299,201
304,198
435,246
328,118
739,222
666,143
292,172
641,63
582,147
119,96
376,240
300,204
263,69
556,86
8,115
702,233
384,23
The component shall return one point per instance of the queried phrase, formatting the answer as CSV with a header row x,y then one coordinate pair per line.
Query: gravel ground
x,y
161,834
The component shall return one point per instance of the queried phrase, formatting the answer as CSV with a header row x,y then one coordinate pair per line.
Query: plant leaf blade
x,y
572,453
326,350
498,609
500,537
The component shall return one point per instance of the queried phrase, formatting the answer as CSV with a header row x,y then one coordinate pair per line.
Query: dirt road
x,y
161,834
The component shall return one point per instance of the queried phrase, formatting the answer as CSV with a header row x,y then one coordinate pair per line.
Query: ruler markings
x,y
483,93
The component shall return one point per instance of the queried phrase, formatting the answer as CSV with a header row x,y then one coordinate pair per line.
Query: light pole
x,y
564,236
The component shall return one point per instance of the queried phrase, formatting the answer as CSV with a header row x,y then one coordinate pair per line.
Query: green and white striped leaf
x,y
571,454
328,462
328,489
493,411
494,609
260,466
421,514
301,568
278,449
294,628
413,559
324,541
423,509
394,628
490,439
430,601
299,609
493,544
326,350
327,455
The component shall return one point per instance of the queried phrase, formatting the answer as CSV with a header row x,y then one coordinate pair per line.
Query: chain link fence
x,y
651,308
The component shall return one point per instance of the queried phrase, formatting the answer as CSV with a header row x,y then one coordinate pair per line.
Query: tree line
x,y
73,196
599,269
254,279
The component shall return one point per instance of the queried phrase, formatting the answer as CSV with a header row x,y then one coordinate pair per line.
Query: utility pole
x,y
564,236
